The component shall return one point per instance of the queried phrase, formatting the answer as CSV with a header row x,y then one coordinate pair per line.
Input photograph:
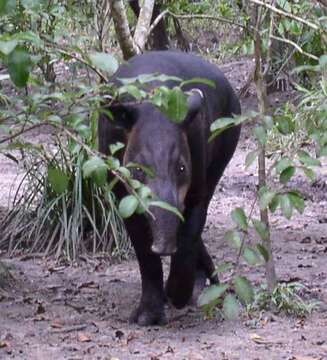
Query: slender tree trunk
x,y
263,109
143,24
159,38
123,33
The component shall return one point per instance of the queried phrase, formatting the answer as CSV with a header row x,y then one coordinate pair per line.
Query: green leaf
x,y
268,122
261,134
261,229
297,201
211,294
323,61
233,238
127,206
198,80
7,46
176,109
309,173
323,151
274,204
112,163
116,147
286,205
100,176
283,164
263,251
147,169
250,158
266,198
166,206
223,267
144,192
306,159
146,78
231,307
104,62
19,63
244,289
29,36
286,174
7,6
58,180
92,165
31,4
124,172
133,90
251,256
285,124
239,217
222,123
54,119
135,184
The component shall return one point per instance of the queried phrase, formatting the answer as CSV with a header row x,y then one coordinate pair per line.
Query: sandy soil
x,y
81,311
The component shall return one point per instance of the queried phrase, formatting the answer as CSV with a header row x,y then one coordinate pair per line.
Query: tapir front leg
x,y
185,263
150,310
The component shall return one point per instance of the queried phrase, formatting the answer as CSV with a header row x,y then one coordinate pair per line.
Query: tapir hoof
x,y
147,317
178,296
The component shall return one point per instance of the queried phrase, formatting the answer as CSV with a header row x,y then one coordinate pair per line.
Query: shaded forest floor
x,y
81,312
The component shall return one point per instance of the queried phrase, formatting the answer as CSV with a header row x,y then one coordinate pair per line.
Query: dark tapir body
x,y
187,169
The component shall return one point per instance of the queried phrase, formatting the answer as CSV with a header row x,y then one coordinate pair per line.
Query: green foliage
x,y
290,137
67,204
286,298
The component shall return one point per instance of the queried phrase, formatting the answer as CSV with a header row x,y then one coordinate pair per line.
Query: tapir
x,y
186,166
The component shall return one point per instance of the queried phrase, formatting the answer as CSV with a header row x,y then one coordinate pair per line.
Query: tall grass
x,y
57,211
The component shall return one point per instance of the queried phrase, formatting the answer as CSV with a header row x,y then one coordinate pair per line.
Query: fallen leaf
x,y
257,338
83,337
3,344
56,324
88,284
260,340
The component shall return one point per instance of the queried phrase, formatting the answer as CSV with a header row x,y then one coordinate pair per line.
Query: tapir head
x,y
156,142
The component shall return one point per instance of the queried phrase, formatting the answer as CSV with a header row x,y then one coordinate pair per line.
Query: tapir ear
x,y
195,102
124,116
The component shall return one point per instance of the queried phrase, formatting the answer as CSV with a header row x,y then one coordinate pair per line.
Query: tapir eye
x,y
138,173
181,168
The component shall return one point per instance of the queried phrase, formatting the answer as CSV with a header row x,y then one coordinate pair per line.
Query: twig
x,y
297,47
197,16
289,15
73,56
11,137
69,329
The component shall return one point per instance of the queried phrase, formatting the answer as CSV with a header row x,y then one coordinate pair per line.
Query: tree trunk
x,y
143,24
159,38
263,109
123,33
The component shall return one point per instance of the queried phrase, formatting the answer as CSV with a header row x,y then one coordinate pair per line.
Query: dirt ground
x,y
81,311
